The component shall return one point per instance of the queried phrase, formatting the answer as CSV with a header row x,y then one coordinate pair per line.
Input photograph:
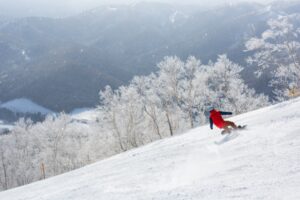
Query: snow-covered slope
x,y
261,162
23,105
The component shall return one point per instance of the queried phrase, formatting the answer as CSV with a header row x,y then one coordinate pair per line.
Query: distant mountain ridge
x,y
63,63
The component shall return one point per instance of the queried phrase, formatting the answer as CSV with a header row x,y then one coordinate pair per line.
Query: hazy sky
x,y
60,8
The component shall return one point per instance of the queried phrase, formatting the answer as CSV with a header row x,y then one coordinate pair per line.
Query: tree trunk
x,y
4,172
152,116
169,123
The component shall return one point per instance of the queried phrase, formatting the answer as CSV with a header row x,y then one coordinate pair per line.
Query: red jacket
x,y
217,119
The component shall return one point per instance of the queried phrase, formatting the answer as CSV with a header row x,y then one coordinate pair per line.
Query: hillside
x,y
12,111
24,106
62,64
261,162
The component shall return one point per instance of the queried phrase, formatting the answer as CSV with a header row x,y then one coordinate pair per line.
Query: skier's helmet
x,y
210,108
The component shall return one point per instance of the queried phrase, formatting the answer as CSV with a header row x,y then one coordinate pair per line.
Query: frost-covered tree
x,y
31,152
24,153
168,90
277,51
123,109
227,89
63,144
18,156
151,103
193,91
4,163
55,133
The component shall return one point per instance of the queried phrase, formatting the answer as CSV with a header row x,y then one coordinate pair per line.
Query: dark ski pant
x,y
227,125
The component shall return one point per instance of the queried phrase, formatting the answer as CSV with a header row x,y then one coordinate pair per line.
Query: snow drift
x,y
261,162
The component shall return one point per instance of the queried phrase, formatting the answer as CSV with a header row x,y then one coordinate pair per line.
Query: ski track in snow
x,y
260,162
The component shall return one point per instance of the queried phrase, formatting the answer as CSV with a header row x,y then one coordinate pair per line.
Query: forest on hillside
x,y
152,107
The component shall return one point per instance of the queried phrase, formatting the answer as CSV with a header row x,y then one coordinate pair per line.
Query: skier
x,y
217,119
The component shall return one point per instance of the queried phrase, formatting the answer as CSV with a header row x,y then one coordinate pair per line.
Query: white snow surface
x,y
24,105
260,162
89,114
5,126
